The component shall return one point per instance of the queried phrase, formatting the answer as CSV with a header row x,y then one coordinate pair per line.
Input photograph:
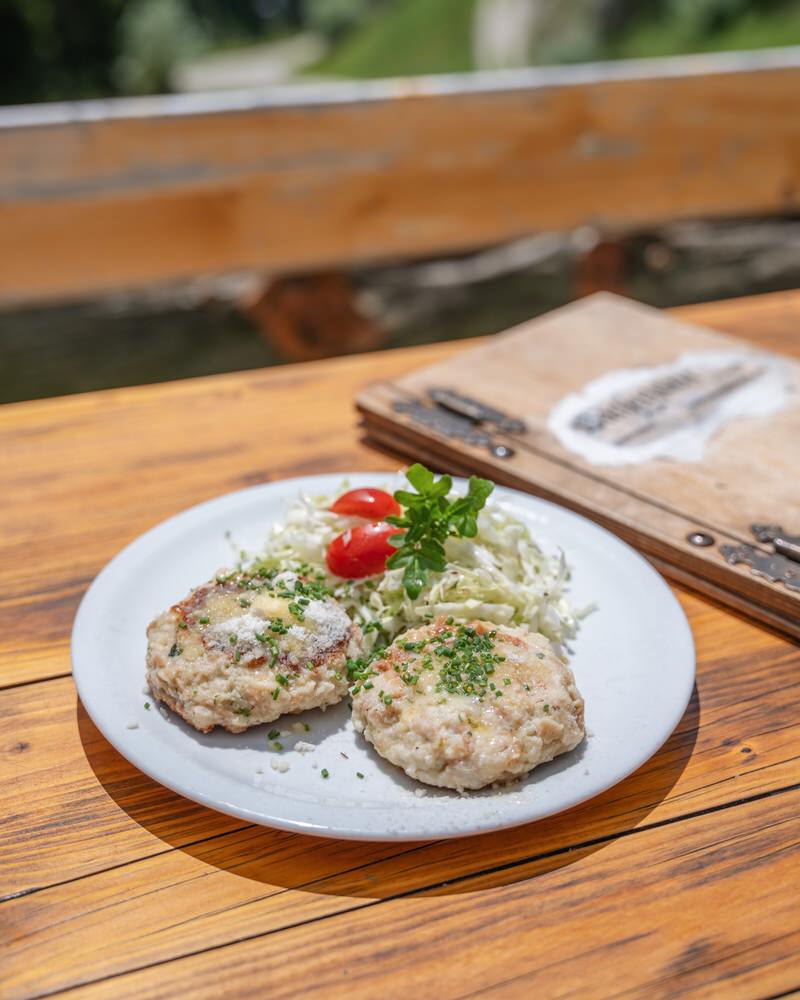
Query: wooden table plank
x,y
725,882
98,849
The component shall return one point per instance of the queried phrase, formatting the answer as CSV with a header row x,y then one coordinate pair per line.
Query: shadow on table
x,y
283,860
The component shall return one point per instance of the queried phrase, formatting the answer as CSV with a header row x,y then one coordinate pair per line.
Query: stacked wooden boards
x,y
498,411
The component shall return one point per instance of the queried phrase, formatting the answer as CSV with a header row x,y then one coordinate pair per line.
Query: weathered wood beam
x,y
96,195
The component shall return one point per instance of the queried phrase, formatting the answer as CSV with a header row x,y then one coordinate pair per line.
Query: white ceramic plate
x,y
633,662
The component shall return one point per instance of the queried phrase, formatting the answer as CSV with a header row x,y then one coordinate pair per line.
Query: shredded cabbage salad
x,y
501,575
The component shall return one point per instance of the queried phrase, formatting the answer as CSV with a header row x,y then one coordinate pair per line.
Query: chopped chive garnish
x,y
359,774
273,734
468,661
325,773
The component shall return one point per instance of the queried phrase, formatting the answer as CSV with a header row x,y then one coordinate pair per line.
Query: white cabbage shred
x,y
501,575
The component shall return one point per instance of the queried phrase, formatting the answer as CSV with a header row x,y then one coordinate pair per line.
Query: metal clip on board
x,y
782,565
462,417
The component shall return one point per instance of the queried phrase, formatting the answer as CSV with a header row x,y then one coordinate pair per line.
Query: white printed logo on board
x,y
635,415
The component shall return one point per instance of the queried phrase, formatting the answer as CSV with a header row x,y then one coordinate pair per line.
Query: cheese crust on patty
x,y
248,647
470,704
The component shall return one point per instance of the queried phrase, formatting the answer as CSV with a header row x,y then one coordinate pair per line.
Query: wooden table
x,y
682,880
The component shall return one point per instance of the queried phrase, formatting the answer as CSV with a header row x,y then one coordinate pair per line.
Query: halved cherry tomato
x,y
366,502
361,551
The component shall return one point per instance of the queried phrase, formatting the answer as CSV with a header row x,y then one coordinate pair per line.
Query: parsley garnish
x,y
429,519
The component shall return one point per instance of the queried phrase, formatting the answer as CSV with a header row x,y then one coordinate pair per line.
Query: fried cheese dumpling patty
x,y
467,705
248,647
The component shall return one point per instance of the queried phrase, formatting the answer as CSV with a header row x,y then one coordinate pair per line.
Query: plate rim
x,y
333,830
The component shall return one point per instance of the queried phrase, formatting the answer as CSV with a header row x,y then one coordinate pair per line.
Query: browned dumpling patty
x,y
470,704
246,648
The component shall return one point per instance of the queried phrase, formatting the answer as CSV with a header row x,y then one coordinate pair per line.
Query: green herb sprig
x,y
429,519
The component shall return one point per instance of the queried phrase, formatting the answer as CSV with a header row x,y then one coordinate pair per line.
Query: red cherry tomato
x,y
375,505
361,551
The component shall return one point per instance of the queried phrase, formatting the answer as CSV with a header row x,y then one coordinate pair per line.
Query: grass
x,y
435,36
408,38
674,36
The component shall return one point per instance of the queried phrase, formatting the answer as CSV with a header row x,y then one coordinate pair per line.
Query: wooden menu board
x,y
681,440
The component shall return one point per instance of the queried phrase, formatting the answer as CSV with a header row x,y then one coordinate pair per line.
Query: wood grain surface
x,y
682,880
97,195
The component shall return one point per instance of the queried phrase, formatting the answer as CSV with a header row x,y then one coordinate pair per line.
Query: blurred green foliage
x,y
335,19
52,49
154,36
403,38
423,36
68,49
708,26
612,29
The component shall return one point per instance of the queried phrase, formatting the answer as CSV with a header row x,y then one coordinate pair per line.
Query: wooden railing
x,y
102,194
